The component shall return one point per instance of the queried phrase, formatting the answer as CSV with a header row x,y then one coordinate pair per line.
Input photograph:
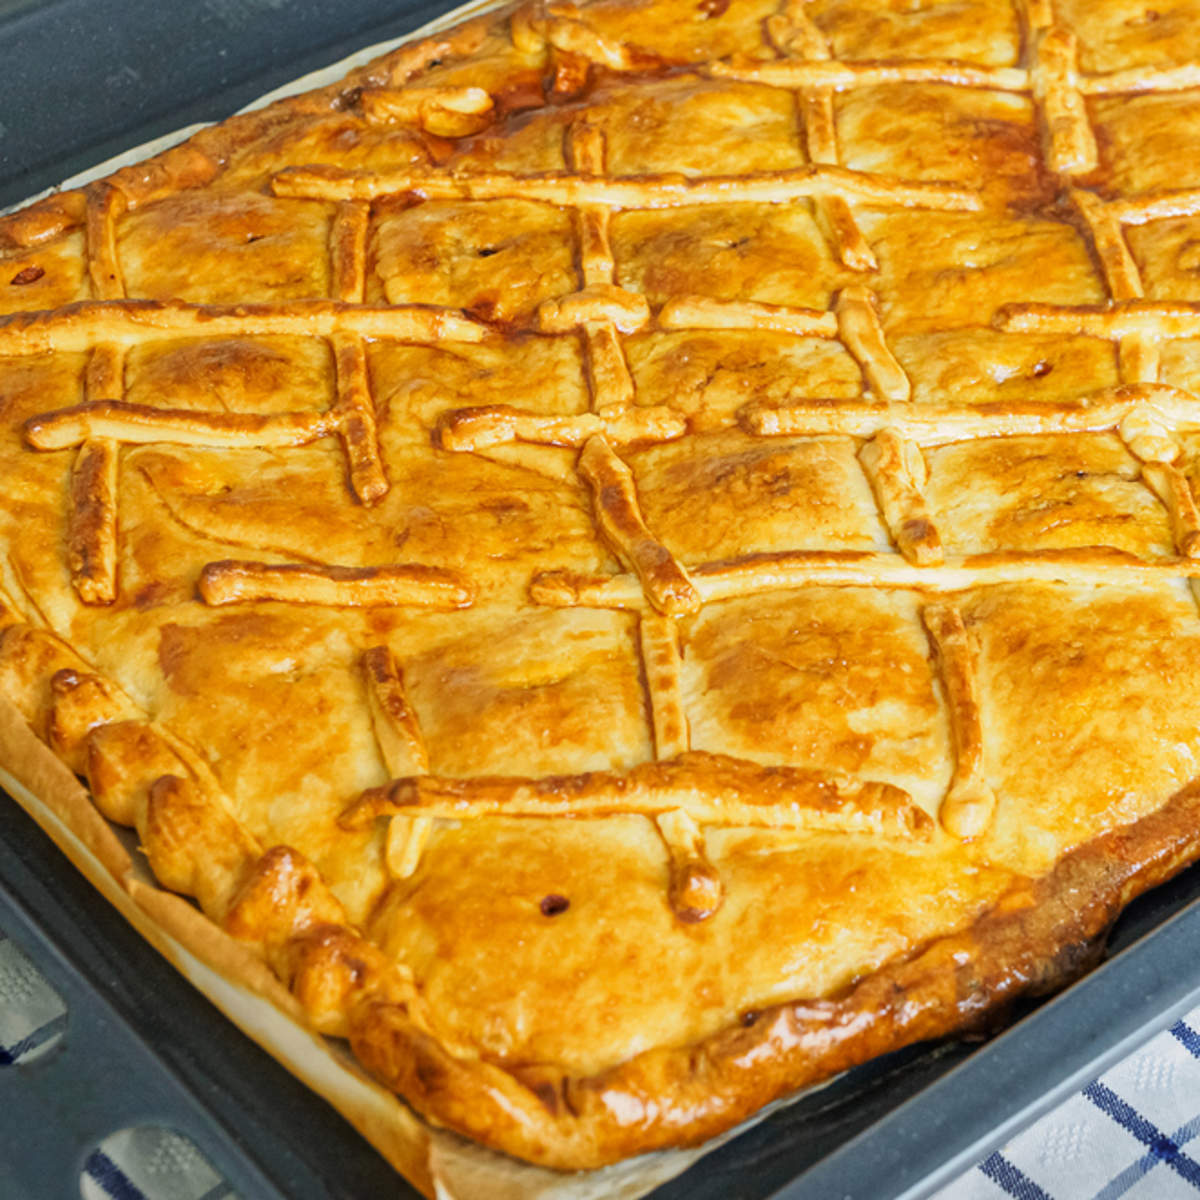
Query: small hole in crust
x,y
554,904
29,274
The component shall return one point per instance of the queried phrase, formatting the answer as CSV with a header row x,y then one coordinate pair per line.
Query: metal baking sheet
x,y
86,79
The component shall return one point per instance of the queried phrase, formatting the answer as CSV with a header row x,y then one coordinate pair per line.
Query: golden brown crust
x,y
898,476
1039,936
718,486
477,428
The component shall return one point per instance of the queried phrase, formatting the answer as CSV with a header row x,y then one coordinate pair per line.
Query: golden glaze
x,y
606,564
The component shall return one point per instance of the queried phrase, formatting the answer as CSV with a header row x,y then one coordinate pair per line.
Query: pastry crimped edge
x,y
303,957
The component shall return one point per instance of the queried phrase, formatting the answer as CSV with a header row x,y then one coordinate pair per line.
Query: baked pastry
x,y
635,555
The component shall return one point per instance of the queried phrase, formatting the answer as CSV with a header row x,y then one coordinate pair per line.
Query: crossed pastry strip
x,y
1051,77
600,312
691,789
108,325
681,792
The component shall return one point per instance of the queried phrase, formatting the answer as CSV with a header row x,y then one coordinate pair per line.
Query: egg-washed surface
x,y
619,535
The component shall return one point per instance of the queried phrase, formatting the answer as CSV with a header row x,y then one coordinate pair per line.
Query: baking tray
x,y
86,79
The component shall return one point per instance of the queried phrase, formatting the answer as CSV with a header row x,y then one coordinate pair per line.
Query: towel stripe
x,y
1146,1132
1011,1178
39,1037
111,1178
1187,1037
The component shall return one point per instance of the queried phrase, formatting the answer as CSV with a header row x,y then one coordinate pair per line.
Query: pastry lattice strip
x,y
619,519
238,582
793,34
355,409
495,425
1164,318
402,748
969,803
78,327
701,312
939,424
897,472
695,890
712,789
567,189
104,421
1052,79
784,570
828,74
141,424
95,475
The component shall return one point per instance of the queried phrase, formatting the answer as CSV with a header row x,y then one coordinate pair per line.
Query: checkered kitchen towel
x,y
1131,1133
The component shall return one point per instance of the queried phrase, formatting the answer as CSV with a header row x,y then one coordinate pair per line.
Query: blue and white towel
x,y
1131,1133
